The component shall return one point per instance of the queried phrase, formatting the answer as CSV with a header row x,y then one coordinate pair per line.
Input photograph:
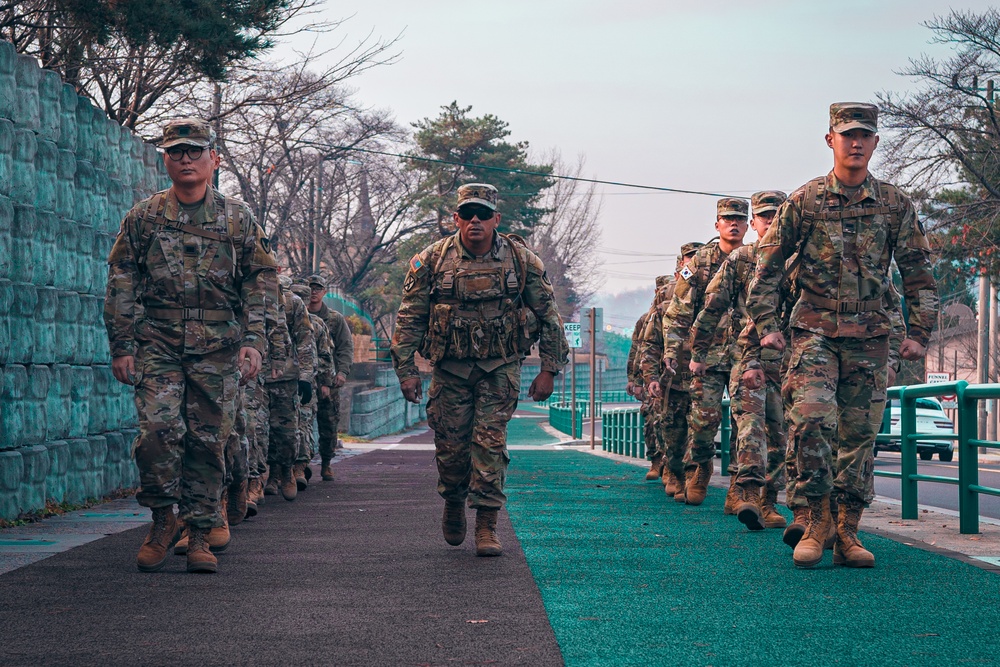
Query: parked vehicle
x,y
931,418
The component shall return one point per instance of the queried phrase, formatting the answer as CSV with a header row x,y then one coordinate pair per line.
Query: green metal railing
x,y
622,432
380,349
561,418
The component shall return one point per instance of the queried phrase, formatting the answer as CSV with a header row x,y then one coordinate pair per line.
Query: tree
x,y
455,137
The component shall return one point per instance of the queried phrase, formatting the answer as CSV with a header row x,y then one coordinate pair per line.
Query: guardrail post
x,y
968,462
908,454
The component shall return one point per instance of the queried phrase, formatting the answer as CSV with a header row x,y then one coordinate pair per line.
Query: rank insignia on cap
x,y
415,263
686,273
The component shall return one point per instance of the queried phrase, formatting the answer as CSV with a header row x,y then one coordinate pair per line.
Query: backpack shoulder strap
x,y
153,211
520,262
812,204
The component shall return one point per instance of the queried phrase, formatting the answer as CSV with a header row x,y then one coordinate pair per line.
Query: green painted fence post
x,y
908,453
968,462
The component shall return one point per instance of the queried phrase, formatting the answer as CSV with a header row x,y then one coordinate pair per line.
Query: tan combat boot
x,y
453,522
299,472
162,535
748,508
655,467
255,491
199,556
326,472
809,551
289,489
772,519
733,497
487,542
271,481
671,482
239,503
218,537
696,483
797,528
848,550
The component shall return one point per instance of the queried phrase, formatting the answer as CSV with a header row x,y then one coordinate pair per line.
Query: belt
x,y
207,314
842,306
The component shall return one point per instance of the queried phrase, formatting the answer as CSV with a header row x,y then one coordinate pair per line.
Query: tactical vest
x,y
814,208
476,306
153,216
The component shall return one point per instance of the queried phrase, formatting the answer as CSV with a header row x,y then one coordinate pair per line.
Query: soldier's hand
x,y
630,389
698,368
753,378
541,387
773,341
412,390
305,392
340,380
653,388
911,350
892,378
640,393
249,362
324,392
123,369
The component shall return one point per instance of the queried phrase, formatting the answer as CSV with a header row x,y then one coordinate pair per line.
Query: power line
x,y
522,172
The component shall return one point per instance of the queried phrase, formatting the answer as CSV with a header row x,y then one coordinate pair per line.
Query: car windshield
x,y
921,403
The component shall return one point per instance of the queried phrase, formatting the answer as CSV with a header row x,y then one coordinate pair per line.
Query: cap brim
x,y
481,202
321,285
764,209
198,143
733,214
847,127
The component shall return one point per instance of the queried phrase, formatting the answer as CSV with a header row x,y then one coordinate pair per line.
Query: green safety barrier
x,y
380,349
561,418
622,432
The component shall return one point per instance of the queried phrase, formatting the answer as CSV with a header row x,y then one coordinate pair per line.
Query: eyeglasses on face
x,y
469,212
176,153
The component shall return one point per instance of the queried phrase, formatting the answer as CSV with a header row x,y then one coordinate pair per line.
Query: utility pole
x,y
318,214
991,429
983,355
217,112
593,375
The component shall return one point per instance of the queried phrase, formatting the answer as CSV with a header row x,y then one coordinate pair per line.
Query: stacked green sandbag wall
x,y
68,174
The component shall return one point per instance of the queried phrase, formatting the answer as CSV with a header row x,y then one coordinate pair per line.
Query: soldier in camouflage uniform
x,y
473,305
286,386
846,227
185,315
328,405
322,379
635,388
674,400
762,464
711,377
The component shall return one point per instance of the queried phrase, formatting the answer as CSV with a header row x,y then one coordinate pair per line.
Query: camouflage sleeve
x,y
324,354
651,353
412,317
898,333
256,263
343,345
679,315
778,244
750,347
719,297
123,278
553,349
632,365
274,320
302,338
912,253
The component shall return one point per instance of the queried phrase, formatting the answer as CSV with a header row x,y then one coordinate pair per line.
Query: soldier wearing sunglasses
x,y
473,305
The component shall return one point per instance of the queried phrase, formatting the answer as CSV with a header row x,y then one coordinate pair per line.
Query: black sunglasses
x,y
482,212
176,152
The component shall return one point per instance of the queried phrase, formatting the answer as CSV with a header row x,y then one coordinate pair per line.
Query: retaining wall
x,y
383,410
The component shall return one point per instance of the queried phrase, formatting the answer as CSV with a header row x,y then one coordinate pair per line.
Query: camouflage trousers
x,y
672,428
257,456
469,418
278,421
760,423
837,390
328,421
705,415
649,435
237,446
306,445
186,404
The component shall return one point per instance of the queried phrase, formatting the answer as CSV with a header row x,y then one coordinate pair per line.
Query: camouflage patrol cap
x,y
477,193
301,290
187,132
690,248
767,200
845,116
661,281
732,206
316,279
285,282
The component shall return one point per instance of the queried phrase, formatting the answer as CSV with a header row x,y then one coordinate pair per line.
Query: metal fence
x,y
562,418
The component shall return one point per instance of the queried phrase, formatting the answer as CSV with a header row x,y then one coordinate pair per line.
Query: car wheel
x,y
926,455
946,456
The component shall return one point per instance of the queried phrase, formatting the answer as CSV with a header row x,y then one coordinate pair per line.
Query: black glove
x,y
305,391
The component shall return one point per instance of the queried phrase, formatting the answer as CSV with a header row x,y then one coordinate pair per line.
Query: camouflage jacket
x,y
298,365
530,299
194,285
651,351
845,247
323,368
725,295
340,338
633,371
688,300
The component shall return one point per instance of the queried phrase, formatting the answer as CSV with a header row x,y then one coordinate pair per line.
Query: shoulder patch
x,y
415,263
686,273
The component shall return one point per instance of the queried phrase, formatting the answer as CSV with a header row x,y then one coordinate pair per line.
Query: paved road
x,y
934,494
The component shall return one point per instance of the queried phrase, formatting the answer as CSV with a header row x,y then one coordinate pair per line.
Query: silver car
x,y
931,418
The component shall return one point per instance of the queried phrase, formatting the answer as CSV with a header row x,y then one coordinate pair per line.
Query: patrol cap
x,y
732,206
661,281
316,279
690,248
285,281
301,290
477,193
187,132
767,200
845,116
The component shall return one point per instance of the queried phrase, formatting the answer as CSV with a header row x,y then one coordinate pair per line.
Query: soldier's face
x,y
731,228
192,172
316,294
762,222
852,149
477,231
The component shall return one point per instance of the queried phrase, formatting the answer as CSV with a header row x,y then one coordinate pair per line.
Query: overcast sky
x,y
711,95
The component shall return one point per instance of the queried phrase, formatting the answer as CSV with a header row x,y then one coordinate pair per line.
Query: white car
x,y
931,418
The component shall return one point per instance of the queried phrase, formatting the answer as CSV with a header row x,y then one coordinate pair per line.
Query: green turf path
x,y
525,430
629,577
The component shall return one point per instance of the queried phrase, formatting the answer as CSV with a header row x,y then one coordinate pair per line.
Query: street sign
x,y
573,331
949,402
